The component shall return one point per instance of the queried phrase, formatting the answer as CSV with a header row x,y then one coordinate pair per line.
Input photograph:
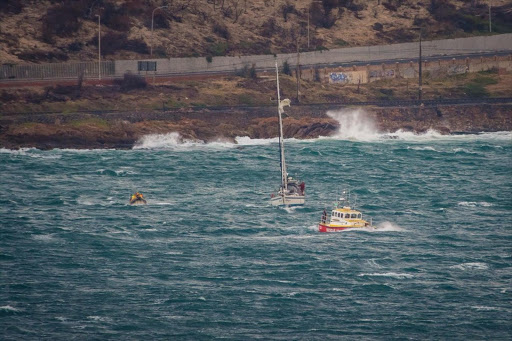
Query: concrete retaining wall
x,y
439,68
458,46
364,54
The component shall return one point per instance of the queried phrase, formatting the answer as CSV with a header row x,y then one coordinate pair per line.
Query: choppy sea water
x,y
209,258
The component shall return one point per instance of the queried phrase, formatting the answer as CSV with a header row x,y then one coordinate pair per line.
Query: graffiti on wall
x,y
339,77
382,73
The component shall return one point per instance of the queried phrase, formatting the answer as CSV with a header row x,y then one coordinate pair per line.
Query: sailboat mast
x,y
284,183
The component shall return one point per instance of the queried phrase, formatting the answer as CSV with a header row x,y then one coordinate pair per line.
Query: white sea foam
x,y
428,148
99,318
388,226
471,266
164,141
484,308
355,124
474,204
463,150
43,237
21,151
387,274
247,141
162,203
30,152
9,308
176,142
373,263
358,125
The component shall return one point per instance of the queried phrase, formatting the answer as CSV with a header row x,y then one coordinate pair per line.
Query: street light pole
x,y
99,46
420,69
152,16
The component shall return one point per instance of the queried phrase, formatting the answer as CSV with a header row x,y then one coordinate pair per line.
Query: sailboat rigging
x,y
292,191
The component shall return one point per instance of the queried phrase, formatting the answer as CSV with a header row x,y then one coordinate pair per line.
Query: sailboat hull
x,y
288,200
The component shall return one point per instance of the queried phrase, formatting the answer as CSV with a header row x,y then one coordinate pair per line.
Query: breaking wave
x,y
359,125
355,124
177,142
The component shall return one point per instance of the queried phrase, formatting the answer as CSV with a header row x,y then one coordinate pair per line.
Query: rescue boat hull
x,y
138,202
328,228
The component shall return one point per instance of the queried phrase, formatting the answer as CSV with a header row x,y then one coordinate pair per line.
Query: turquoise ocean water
x,y
209,258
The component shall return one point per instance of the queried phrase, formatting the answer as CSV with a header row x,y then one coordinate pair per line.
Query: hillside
x,y
53,31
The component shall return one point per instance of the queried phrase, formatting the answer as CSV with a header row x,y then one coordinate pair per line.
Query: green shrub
x,y
475,90
269,28
341,42
485,80
386,94
11,6
221,30
321,48
218,49
131,81
243,72
287,8
252,72
245,99
247,72
111,42
61,20
286,69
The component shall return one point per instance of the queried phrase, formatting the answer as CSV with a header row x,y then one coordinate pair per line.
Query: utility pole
x,y
99,46
420,69
298,70
308,28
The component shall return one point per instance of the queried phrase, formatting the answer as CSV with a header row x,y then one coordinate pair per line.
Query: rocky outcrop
x,y
122,130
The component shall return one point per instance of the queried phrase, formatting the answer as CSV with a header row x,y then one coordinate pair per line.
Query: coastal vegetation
x,y
56,31
247,89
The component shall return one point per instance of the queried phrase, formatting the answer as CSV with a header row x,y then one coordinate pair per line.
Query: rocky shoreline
x,y
122,130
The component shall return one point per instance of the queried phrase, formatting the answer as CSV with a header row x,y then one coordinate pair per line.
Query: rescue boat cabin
x,y
345,213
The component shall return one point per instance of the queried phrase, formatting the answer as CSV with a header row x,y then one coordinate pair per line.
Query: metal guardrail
x,y
48,71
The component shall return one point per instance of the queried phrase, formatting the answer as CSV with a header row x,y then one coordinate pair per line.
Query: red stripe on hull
x,y
325,228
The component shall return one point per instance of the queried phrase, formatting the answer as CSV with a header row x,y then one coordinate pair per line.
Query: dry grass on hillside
x,y
217,27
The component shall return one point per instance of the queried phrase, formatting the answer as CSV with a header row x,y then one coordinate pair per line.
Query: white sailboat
x,y
292,191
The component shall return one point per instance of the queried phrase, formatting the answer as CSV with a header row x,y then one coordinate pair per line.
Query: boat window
x,y
359,216
354,216
347,215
